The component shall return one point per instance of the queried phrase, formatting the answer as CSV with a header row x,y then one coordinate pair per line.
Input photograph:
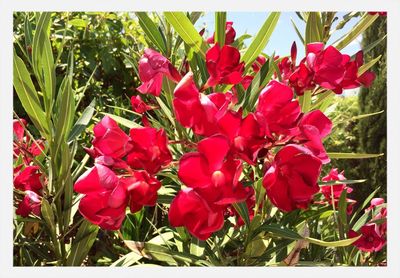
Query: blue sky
x,y
284,33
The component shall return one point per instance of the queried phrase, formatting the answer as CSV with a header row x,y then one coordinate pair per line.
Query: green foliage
x,y
372,131
70,69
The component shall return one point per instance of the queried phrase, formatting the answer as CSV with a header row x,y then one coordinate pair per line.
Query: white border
x,y
393,8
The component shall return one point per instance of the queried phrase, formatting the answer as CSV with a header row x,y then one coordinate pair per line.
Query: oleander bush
x,y
139,140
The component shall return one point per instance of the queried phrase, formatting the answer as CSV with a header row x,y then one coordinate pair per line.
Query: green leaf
x,y
163,254
243,211
313,28
82,243
220,23
184,27
48,215
328,183
338,243
368,65
357,30
122,121
197,247
82,122
28,96
128,259
353,155
260,41
152,31
78,22
305,101
279,231
342,209
43,60
364,204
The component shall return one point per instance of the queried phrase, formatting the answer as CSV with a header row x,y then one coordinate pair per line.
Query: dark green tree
x,y
372,130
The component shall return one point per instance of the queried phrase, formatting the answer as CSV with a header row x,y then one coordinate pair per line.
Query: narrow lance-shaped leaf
x,y
313,28
43,60
82,243
353,155
358,29
28,96
261,39
152,31
184,27
82,122
220,22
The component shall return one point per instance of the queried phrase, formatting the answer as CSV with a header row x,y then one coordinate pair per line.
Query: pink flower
x,y
189,209
246,135
314,126
371,240
376,202
105,197
230,34
277,109
29,179
31,203
142,189
333,192
211,173
110,139
223,65
149,149
138,105
291,180
152,68
258,63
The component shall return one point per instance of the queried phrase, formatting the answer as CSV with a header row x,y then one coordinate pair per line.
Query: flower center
x,y
155,151
218,178
239,143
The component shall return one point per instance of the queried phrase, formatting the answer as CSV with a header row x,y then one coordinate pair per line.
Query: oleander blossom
x,y
291,180
152,68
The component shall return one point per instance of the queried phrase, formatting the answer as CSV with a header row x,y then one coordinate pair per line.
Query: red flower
x,y
246,135
189,209
333,192
334,71
371,240
29,179
110,139
105,197
214,176
258,63
18,129
291,180
313,127
138,105
223,65
230,34
30,203
196,110
380,13
375,202
152,68
277,109
301,79
23,144
246,81
149,149
142,190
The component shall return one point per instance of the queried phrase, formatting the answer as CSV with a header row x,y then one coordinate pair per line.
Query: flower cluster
x,y
28,178
276,137
372,234
123,173
324,67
